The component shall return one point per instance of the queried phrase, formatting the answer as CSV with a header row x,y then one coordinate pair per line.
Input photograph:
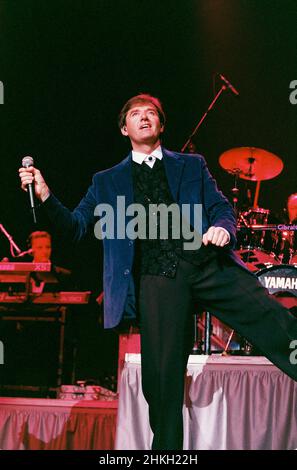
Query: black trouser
x,y
229,292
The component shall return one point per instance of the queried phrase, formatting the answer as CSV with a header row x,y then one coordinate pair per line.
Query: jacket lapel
x,y
174,167
122,175
122,179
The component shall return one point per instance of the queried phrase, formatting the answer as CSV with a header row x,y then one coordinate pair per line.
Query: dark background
x,y
69,65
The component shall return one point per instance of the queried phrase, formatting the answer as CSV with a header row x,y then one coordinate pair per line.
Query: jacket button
x,y
130,243
126,272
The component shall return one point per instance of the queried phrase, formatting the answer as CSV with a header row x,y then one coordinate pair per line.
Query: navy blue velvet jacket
x,y
190,182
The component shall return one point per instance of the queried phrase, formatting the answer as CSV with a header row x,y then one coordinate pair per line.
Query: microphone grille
x,y
27,161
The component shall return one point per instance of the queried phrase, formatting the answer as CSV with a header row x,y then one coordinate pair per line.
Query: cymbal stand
x,y
257,192
251,174
235,190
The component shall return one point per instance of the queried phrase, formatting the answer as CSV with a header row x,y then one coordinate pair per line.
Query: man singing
x,y
158,279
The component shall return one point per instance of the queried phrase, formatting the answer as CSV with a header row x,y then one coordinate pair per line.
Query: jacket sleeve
x,y
72,224
219,211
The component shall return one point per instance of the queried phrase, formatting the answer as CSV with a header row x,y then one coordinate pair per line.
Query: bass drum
x,y
281,282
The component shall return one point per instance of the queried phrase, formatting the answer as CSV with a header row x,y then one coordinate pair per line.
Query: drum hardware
x,y
225,351
245,348
253,164
260,244
255,244
269,250
242,219
235,190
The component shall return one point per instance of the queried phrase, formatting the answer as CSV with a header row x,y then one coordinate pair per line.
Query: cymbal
x,y
251,163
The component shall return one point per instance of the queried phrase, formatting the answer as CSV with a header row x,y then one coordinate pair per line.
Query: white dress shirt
x,y
150,159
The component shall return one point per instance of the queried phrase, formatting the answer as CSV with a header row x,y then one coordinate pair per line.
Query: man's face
x,y
42,249
142,125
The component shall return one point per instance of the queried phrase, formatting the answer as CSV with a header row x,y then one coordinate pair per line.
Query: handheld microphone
x,y
229,85
26,163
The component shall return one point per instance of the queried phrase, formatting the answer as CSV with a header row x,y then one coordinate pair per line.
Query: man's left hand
x,y
216,236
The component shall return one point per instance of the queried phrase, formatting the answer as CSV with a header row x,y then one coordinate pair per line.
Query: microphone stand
x,y
13,245
208,326
223,88
26,252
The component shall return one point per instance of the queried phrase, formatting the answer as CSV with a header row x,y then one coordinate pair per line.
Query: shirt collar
x,y
138,157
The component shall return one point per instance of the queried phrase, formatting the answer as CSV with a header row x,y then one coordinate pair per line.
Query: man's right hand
x,y
32,175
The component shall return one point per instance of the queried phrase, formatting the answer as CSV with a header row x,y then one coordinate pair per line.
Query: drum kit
x,y
261,244
268,249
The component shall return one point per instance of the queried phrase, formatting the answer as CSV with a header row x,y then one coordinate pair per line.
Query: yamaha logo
x,y
280,282
279,278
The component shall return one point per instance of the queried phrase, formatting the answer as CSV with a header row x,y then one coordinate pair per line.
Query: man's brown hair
x,y
142,99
